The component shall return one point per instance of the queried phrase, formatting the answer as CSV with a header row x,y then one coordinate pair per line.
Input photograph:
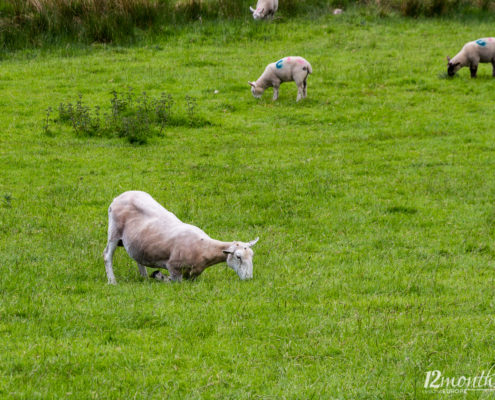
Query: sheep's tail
x,y
308,70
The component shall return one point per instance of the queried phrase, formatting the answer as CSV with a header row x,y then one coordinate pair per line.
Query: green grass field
x,y
373,200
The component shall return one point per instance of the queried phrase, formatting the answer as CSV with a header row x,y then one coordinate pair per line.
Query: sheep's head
x,y
452,66
240,258
256,90
258,13
159,276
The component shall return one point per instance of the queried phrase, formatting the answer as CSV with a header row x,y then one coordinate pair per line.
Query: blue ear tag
x,y
279,64
481,42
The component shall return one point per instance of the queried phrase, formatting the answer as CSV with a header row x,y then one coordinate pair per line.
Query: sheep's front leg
x,y
474,70
195,272
493,68
275,92
175,272
142,270
176,277
108,257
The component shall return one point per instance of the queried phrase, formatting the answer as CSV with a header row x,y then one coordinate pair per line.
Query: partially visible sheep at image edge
x,y
154,237
264,9
481,50
287,69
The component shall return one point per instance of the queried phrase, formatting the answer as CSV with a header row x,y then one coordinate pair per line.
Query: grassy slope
x,y
373,200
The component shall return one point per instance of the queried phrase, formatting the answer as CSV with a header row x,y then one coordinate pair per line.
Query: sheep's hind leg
x,y
305,88
300,92
108,257
493,68
142,270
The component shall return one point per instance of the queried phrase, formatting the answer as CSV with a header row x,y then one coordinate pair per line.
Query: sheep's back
x,y
482,49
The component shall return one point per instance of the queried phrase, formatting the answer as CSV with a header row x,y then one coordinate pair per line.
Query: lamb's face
x,y
258,13
240,258
453,67
256,90
159,276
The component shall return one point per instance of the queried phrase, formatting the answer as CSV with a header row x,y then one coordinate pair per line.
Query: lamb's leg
x,y
142,270
300,91
493,68
473,69
108,257
305,89
275,92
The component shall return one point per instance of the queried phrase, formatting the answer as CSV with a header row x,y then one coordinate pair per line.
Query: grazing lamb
x,y
287,69
264,9
154,237
481,50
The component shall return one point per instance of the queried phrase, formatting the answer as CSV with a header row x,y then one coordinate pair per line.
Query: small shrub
x,y
46,125
134,129
7,200
135,118
163,107
191,109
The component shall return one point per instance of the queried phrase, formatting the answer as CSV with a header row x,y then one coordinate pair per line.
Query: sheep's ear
x,y
252,84
253,242
230,250
448,58
251,9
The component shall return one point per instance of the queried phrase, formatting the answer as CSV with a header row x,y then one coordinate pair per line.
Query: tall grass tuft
x,y
429,8
30,21
35,22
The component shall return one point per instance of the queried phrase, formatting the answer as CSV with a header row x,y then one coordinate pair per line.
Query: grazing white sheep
x,y
481,50
264,9
154,237
287,69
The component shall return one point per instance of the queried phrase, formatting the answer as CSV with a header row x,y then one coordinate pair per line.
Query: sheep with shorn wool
x,y
155,237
